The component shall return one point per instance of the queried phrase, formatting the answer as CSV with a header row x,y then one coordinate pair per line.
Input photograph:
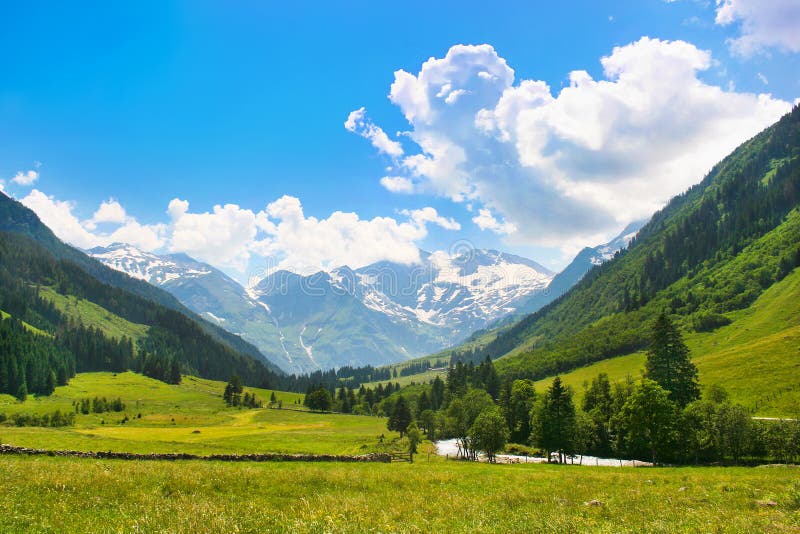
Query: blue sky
x,y
244,104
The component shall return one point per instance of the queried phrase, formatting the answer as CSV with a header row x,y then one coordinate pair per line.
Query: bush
x,y
708,321
518,449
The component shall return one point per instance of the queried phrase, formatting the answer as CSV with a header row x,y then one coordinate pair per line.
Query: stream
x,y
449,448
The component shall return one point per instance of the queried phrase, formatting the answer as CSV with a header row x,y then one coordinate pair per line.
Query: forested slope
x,y
42,346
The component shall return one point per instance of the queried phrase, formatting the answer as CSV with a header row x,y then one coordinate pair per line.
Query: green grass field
x,y
73,495
190,417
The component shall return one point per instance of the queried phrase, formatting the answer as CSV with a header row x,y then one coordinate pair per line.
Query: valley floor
x,y
57,494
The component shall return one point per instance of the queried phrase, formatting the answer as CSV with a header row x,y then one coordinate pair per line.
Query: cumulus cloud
x,y
25,178
59,217
577,164
397,184
305,244
223,236
110,211
430,215
486,221
774,23
358,123
230,236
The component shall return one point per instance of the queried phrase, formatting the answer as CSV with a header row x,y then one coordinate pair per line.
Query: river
x,y
449,448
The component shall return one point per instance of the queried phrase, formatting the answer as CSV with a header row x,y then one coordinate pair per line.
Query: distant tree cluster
x,y
234,395
160,366
361,401
98,405
421,367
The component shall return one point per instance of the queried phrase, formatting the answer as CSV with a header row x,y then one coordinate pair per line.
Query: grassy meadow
x,y
190,417
72,495
53,494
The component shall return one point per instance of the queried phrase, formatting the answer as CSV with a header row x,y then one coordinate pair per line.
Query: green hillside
x,y
89,313
756,358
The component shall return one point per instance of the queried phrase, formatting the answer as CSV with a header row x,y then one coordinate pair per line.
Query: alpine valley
x,y
375,315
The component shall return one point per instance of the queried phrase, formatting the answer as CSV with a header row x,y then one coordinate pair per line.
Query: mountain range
x,y
374,315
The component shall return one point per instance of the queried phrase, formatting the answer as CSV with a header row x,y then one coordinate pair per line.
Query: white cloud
x,y
486,221
397,184
306,244
59,217
358,122
110,211
223,236
430,215
764,24
144,236
25,178
230,236
578,164
763,78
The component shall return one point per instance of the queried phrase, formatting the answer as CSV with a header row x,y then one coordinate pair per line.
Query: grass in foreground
x,y
73,495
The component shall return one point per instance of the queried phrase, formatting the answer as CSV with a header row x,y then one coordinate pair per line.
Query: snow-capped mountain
x,y
376,314
202,288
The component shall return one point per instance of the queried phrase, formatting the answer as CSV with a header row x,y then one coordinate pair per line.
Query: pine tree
x,y
554,421
401,416
174,372
669,365
22,392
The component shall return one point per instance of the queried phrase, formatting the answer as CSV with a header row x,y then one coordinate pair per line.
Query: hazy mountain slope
x,y
578,267
205,290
